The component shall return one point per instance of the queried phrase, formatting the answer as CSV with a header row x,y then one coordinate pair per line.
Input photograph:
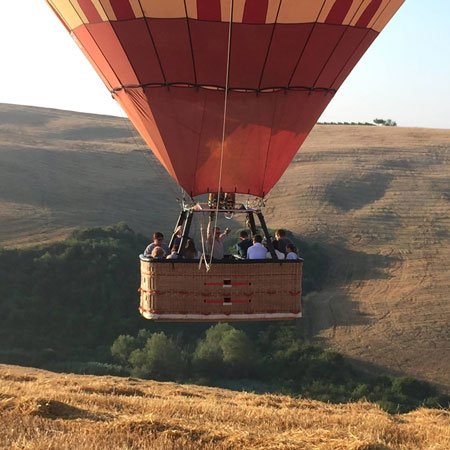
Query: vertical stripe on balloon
x,y
368,14
90,11
209,10
122,9
255,11
338,12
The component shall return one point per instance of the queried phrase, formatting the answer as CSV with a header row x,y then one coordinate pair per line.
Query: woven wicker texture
x,y
245,288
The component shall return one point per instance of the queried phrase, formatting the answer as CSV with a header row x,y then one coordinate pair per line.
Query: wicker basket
x,y
178,290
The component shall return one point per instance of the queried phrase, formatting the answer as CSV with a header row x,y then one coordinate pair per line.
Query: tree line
x,y
72,306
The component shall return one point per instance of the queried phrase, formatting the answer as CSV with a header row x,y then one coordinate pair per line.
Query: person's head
x,y
291,248
257,238
158,238
179,231
243,235
174,249
190,245
158,253
280,234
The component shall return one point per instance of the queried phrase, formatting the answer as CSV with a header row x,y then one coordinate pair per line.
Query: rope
x,y
203,256
227,77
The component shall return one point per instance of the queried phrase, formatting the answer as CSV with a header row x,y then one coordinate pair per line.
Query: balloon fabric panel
x,y
166,64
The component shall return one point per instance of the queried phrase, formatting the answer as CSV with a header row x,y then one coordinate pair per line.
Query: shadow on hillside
x,y
26,117
332,307
353,193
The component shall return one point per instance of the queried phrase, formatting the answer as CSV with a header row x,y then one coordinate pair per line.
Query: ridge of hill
x,y
40,409
377,198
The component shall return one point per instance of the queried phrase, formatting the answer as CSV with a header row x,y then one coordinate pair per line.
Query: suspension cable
x,y
219,186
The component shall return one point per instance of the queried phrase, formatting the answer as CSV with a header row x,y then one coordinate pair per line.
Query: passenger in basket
x,y
174,253
280,236
257,250
280,255
190,252
216,238
158,253
158,241
243,245
178,234
291,252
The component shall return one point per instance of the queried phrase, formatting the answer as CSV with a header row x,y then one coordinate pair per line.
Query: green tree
x,y
225,352
122,348
160,360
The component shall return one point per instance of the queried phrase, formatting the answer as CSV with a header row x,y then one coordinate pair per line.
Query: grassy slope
x,y
42,410
378,198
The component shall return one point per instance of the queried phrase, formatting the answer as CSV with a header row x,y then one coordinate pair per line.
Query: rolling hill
x,y
40,409
376,198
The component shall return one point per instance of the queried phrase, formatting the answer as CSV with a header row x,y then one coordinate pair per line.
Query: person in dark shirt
x,y
243,244
280,236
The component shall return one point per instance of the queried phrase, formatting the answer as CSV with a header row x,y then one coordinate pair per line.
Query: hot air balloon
x,y
224,92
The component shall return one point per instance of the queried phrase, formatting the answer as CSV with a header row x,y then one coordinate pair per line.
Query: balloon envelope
x,y
166,62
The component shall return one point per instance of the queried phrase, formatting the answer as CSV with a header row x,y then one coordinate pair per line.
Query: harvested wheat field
x,y
42,410
377,199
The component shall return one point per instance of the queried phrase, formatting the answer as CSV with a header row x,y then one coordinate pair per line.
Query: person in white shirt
x,y
174,253
280,255
291,252
216,239
257,250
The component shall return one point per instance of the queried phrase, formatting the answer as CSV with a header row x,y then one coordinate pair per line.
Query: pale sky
x,y
404,76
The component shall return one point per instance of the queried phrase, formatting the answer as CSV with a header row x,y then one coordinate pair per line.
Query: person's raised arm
x,y
209,233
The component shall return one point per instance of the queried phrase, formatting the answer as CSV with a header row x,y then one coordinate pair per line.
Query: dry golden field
x,y
42,410
376,198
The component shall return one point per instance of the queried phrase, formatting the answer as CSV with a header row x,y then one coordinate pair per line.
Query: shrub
x,y
225,351
160,360
122,348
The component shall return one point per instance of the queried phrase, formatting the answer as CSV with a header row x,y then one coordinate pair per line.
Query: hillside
x,y
41,409
376,198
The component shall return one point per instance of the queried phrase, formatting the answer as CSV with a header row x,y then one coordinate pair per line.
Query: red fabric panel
x,y
122,9
209,10
255,11
90,11
247,139
135,38
297,112
134,103
359,52
287,44
210,55
178,114
106,39
338,12
368,14
319,48
183,126
171,37
95,55
346,47
249,46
